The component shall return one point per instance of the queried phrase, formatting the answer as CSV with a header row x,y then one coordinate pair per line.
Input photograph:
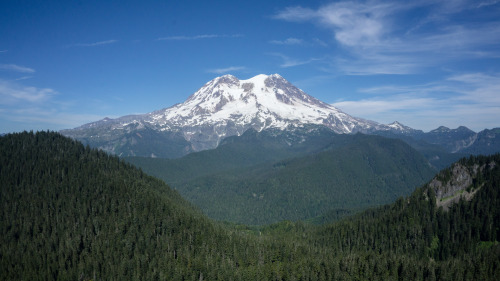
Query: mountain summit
x,y
261,102
225,106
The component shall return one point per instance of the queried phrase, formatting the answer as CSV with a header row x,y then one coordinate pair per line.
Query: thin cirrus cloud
x,y
478,88
353,23
23,78
288,41
376,39
471,97
291,62
291,41
22,104
94,44
226,70
17,94
197,37
487,3
46,117
16,68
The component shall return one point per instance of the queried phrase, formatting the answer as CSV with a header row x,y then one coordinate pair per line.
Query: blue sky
x,y
422,63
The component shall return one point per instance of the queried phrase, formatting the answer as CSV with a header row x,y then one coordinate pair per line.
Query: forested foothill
x,y
70,212
266,177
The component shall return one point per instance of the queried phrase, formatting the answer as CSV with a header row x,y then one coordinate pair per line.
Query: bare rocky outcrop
x,y
451,186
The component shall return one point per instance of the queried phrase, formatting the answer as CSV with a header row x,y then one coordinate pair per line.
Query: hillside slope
x,y
421,225
74,213
347,172
249,149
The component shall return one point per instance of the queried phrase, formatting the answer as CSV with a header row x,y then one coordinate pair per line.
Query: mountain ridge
x,y
227,106
224,106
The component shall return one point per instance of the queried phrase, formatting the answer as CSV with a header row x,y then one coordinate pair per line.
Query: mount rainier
x,y
225,106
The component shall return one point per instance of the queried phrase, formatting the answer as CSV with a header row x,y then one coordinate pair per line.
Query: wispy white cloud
x,y
198,37
94,44
354,23
291,62
33,108
43,118
13,93
288,41
320,42
487,3
16,68
376,39
364,64
226,70
469,99
24,78
478,88
291,41
297,14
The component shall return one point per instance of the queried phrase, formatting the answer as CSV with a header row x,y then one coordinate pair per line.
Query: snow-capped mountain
x,y
260,102
225,106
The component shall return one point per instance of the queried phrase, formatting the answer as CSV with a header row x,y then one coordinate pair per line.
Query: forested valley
x,y
266,177
70,212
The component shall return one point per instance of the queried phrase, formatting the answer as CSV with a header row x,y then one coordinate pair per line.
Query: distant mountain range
x,y
461,140
227,106
237,148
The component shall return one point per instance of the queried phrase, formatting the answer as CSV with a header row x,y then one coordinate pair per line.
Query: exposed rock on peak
x,y
227,106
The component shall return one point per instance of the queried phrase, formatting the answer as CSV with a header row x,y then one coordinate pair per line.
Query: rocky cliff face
x,y
457,182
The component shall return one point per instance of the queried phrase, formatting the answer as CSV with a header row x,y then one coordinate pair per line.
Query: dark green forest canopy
x,y
259,179
74,213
